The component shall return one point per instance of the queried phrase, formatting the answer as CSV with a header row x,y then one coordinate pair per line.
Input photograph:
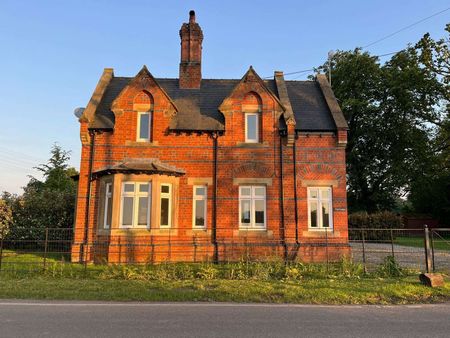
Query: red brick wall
x,y
318,157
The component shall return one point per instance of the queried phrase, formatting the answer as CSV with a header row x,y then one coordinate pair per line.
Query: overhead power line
x,y
374,42
292,73
405,28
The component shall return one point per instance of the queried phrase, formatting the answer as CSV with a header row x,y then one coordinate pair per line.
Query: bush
x,y
378,223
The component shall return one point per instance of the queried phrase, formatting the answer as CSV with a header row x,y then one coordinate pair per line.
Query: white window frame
x,y
319,200
194,204
136,194
252,197
169,196
249,140
138,133
108,200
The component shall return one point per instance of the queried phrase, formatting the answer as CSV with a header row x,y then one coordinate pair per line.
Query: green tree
x,y
391,112
430,193
49,202
5,217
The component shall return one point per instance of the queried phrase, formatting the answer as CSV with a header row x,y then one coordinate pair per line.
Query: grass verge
x,y
405,290
274,282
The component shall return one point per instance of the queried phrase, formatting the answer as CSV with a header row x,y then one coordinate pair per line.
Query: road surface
x,y
97,319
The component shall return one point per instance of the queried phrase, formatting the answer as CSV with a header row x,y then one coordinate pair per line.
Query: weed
x,y
389,268
207,272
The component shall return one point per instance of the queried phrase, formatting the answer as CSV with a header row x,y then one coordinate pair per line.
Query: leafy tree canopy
x,y
49,202
397,117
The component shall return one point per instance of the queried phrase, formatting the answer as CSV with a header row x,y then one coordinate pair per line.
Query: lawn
x,y
274,282
439,244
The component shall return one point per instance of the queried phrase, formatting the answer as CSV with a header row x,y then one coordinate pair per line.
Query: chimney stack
x,y
191,54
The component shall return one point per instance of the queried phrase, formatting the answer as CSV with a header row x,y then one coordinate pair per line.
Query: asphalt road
x,y
95,319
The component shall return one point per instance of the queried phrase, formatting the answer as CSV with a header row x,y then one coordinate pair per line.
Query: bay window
x,y
108,206
166,205
135,205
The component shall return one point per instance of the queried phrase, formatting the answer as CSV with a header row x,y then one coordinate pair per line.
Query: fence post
x,y
45,248
432,250
1,247
427,248
392,243
326,248
364,252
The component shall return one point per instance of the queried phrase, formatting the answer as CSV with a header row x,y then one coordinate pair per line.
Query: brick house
x,y
194,169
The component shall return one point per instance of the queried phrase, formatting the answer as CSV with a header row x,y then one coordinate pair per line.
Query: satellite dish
x,y
78,111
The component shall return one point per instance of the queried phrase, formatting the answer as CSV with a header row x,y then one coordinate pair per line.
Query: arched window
x,y
251,107
143,105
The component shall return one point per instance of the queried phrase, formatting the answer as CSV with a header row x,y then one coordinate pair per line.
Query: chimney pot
x,y
192,17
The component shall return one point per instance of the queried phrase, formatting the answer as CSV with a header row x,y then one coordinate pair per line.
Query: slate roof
x,y
198,108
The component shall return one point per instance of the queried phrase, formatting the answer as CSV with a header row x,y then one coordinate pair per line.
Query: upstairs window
x,y
252,207
251,107
144,124
251,128
143,105
319,208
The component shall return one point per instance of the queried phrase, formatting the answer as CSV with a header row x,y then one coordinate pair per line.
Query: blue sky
x,y
53,52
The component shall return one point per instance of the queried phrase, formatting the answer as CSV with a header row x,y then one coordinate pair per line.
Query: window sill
x,y
137,231
141,143
252,144
322,233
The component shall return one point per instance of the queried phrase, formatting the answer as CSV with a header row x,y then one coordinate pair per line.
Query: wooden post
x,y
427,248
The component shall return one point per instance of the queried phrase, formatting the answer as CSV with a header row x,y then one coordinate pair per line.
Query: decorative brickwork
x,y
319,157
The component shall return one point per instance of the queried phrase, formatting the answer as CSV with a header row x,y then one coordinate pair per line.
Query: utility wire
x,y
372,43
405,28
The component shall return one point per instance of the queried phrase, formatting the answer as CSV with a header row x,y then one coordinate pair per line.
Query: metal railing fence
x,y
419,249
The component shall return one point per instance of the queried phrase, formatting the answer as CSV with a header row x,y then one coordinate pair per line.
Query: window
x,y
251,128
252,207
108,206
319,208
144,126
199,206
166,208
135,205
